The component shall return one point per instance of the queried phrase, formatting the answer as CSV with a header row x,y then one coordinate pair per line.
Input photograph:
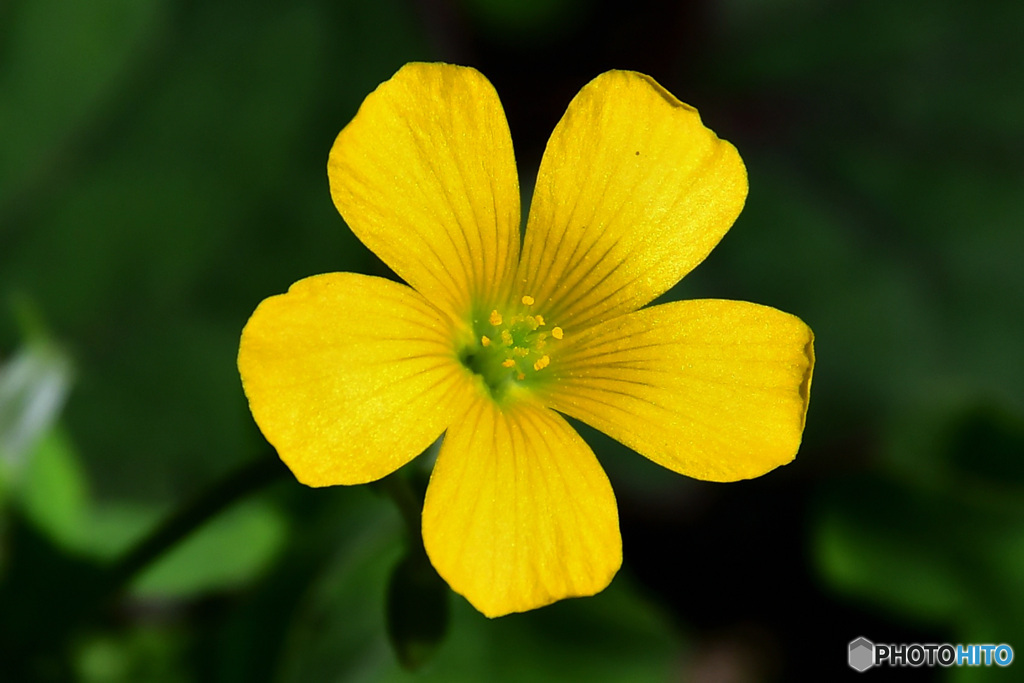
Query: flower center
x,y
511,348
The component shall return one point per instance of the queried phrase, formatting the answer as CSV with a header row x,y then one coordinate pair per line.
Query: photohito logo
x,y
863,654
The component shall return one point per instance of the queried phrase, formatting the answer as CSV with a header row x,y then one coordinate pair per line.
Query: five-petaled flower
x,y
349,377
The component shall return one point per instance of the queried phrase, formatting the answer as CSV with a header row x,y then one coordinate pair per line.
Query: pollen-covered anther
x,y
514,346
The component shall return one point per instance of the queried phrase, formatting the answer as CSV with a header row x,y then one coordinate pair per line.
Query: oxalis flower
x,y
349,377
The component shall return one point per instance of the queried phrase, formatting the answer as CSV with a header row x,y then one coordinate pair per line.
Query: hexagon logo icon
x,y
861,654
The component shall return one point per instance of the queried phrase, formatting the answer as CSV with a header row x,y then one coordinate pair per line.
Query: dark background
x,y
162,170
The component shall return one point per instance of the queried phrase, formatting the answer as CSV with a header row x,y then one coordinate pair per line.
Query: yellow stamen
x,y
517,346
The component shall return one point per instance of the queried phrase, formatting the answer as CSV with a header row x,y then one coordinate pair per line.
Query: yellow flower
x,y
349,377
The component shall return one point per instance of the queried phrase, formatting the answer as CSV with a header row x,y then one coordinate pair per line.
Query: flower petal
x,y
349,376
632,193
425,176
711,389
519,513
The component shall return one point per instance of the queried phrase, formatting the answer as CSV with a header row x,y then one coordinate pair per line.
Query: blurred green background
x,y
162,170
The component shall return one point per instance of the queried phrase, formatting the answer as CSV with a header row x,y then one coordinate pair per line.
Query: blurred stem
x,y
39,641
399,489
235,486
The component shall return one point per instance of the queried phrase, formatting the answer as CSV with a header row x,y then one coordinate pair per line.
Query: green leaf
x,y
614,636
881,541
229,551
949,556
54,492
151,652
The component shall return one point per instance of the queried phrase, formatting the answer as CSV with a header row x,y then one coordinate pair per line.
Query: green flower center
x,y
511,349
